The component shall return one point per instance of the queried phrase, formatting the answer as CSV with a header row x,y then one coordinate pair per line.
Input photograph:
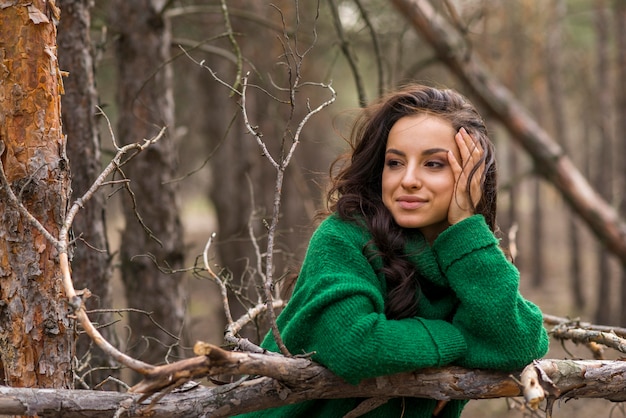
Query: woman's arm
x,y
502,329
337,312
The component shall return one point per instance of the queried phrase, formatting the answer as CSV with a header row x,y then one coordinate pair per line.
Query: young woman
x,y
405,271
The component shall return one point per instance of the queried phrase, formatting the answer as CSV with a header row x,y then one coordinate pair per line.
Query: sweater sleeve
x,y
337,313
502,329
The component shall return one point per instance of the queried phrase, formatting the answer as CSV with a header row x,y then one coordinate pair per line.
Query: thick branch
x,y
558,379
548,156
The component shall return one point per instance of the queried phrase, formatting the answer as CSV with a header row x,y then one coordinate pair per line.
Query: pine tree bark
x,y
153,233
91,265
36,338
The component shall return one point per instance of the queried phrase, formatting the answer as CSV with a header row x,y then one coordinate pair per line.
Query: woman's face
x,y
417,180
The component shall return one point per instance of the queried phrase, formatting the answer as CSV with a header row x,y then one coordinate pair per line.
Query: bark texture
x,y
91,266
35,331
153,232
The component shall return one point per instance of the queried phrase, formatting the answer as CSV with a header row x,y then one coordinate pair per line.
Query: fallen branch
x,y
582,325
297,379
595,337
572,379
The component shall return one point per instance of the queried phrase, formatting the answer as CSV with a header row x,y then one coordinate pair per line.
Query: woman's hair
x,y
356,189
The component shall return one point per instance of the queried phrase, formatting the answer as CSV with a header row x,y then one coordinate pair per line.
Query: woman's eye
x,y
393,163
435,164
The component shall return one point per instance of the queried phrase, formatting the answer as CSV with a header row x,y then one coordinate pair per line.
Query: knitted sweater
x,y
478,319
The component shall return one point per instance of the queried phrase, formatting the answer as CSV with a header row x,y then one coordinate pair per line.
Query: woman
x,y
405,272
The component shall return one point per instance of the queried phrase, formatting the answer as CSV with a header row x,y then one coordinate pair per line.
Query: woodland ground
x,y
553,298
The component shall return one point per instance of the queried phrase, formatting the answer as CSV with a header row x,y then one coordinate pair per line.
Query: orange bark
x,y
35,337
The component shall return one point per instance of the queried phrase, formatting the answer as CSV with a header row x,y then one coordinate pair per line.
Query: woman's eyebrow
x,y
432,151
426,152
395,151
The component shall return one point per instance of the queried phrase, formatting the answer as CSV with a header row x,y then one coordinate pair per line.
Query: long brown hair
x,y
356,189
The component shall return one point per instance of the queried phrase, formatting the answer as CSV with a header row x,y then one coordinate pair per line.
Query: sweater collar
x,y
421,254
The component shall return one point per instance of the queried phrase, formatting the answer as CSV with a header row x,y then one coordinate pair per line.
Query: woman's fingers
x,y
471,153
475,154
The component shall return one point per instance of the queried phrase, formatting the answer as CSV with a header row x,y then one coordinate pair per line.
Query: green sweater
x,y
478,320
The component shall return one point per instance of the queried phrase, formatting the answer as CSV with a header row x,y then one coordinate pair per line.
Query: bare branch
x,y
577,323
254,130
233,43
217,279
308,116
243,14
253,238
233,328
347,52
20,207
585,333
191,44
376,44
112,166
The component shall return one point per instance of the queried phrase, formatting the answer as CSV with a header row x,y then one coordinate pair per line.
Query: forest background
x,y
174,63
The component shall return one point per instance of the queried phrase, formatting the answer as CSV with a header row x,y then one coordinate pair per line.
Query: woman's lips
x,y
410,202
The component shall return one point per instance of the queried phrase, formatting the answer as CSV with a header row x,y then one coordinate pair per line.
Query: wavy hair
x,y
356,189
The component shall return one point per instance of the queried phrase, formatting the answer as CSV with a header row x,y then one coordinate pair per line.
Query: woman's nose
x,y
411,180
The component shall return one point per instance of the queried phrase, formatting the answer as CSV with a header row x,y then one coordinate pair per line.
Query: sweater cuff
x,y
462,238
447,338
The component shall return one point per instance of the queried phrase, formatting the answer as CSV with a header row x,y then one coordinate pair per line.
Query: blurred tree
x,y
36,341
619,8
555,60
602,121
517,79
152,242
91,262
536,261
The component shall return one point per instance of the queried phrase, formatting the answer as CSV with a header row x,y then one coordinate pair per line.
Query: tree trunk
x,y
152,240
519,83
602,116
554,70
537,239
537,221
620,107
91,266
36,338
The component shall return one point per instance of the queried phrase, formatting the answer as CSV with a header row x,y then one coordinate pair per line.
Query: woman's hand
x,y
471,152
